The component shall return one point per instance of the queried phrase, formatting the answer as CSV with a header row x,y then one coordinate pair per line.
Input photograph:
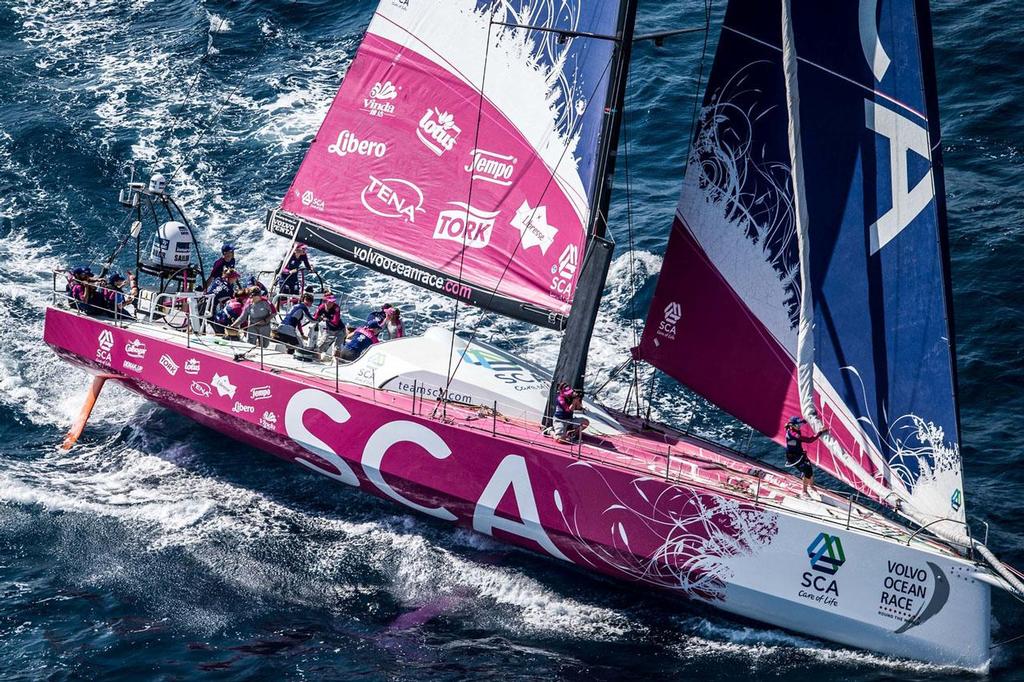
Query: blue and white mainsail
x,y
845,109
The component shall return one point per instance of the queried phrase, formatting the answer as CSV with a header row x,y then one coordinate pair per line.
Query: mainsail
x,y
727,309
460,151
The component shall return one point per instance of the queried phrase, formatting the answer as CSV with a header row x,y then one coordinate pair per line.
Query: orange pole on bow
x,y
83,416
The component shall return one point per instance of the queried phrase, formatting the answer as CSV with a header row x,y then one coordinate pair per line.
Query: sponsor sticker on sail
x,y
491,167
667,327
437,131
465,225
532,223
392,198
564,271
379,102
348,143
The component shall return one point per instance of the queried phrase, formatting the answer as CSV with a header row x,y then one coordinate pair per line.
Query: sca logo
x,y
378,103
311,200
667,326
956,500
826,558
465,225
437,130
564,270
393,198
106,342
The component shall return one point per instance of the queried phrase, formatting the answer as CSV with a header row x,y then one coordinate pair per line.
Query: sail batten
x,y
806,273
461,147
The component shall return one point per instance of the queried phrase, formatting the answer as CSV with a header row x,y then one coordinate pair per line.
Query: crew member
x,y
795,455
392,324
226,260
290,330
288,282
361,339
568,427
330,312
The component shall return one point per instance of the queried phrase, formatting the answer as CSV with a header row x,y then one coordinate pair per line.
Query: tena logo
x,y
135,349
260,393
106,340
269,421
192,366
533,224
201,389
309,199
393,198
465,225
168,363
437,130
491,167
348,143
378,103
223,385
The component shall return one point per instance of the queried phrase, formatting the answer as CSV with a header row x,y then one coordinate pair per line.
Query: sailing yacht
x,y
471,151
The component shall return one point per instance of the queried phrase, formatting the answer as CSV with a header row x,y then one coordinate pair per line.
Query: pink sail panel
x,y
700,332
413,162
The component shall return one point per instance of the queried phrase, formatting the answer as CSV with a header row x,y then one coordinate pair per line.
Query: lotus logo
x,y
826,553
201,388
192,366
393,198
532,223
106,340
568,261
383,90
437,130
223,385
673,311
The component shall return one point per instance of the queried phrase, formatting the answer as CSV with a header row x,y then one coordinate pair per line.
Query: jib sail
x,y
878,350
459,153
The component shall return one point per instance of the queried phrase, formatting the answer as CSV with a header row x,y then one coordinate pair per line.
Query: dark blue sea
x,y
157,549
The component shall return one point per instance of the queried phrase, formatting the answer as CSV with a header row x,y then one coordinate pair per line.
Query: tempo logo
x,y
826,553
491,167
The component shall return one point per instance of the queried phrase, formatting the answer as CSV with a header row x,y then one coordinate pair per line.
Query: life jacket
x,y
331,317
363,338
231,311
563,404
794,448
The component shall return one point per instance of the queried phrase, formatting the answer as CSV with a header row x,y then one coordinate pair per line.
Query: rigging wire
x,y
635,388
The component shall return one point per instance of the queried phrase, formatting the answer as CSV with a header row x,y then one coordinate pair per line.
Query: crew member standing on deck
x,y
289,280
795,455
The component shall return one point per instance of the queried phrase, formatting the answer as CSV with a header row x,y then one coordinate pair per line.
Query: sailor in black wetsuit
x,y
795,455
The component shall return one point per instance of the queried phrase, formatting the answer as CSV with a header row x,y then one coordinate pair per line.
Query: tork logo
x,y
826,553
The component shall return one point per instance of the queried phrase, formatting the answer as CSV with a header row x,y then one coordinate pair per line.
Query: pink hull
x,y
617,522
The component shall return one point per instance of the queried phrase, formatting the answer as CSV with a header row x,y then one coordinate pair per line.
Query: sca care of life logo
x,y
106,342
379,101
437,131
393,198
311,200
672,314
564,270
466,225
826,557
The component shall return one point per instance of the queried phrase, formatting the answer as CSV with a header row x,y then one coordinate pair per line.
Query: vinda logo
x,y
465,225
350,144
437,130
393,198
672,314
379,101
826,556
491,167
564,271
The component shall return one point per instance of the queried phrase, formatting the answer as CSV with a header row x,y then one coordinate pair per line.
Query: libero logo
x,y
826,557
348,143
465,225
491,167
437,130
379,102
393,198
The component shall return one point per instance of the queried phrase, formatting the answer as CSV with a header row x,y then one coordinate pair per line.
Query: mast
x,y
571,366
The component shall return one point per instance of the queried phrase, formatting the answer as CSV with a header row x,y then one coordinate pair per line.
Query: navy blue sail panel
x,y
878,272
725,314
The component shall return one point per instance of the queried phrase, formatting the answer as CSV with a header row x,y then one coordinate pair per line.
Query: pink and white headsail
x,y
693,542
464,148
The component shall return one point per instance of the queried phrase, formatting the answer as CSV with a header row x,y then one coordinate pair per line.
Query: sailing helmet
x,y
228,246
796,421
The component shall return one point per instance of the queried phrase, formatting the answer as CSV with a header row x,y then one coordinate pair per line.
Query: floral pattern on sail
x,y
695,536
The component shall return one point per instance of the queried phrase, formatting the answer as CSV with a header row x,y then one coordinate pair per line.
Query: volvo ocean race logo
x,y
378,103
532,223
393,198
136,349
667,327
437,130
465,225
350,144
564,271
826,556
912,594
491,167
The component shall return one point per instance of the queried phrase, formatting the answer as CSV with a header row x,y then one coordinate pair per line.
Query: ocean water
x,y
156,549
